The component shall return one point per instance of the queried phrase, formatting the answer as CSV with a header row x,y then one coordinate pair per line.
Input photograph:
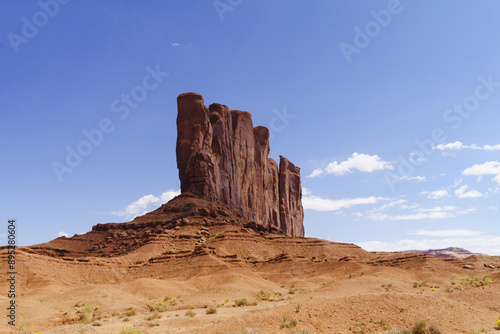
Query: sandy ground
x,y
290,286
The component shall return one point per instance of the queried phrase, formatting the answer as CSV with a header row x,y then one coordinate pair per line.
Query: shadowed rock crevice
x,y
222,158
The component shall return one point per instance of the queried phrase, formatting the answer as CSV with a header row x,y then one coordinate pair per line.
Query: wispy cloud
x,y
146,204
457,145
389,205
447,233
361,162
438,212
321,204
462,193
63,234
175,44
437,194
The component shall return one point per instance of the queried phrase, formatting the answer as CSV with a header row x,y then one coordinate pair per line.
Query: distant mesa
x,y
450,252
223,158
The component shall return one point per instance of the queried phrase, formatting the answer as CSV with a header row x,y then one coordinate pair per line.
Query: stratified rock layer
x,y
222,158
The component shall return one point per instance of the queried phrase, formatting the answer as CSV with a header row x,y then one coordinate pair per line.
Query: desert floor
x,y
282,285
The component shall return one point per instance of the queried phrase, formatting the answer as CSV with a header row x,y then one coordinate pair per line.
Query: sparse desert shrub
x,y
241,302
87,314
298,307
97,323
211,310
497,324
130,312
291,291
127,330
190,313
284,324
421,327
24,327
153,316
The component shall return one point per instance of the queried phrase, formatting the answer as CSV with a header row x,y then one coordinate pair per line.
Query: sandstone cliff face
x,y
222,158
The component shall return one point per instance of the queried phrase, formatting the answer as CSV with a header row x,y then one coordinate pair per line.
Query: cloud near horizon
x,y
310,202
472,241
361,162
447,233
145,204
438,212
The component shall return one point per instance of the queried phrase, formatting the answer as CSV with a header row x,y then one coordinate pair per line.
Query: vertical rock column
x,y
221,157
290,191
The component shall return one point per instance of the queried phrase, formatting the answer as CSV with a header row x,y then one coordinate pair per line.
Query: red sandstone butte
x,y
222,158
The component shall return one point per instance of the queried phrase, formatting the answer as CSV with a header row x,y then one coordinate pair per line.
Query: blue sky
x,y
390,108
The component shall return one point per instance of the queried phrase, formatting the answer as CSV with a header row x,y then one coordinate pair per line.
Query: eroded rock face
x,y
222,158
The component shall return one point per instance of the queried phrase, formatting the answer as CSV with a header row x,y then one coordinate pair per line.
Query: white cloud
x,y
450,146
486,244
466,211
439,212
440,208
321,204
146,204
487,168
361,162
447,233
437,194
460,146
413,178
415,216
389,205
63,234
460,192
176,44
